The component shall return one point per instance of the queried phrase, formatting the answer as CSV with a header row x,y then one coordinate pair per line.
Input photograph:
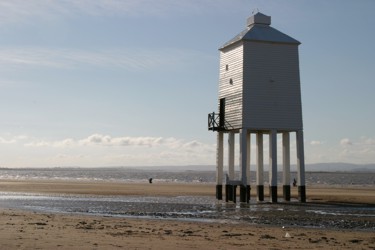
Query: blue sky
x,y
130,83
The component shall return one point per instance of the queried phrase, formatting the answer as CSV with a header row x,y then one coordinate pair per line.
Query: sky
x,y
96,83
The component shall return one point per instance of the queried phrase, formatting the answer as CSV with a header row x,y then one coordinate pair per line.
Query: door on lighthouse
x,y
222,113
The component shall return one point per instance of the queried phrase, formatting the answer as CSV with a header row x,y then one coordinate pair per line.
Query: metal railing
x,y
213,121
215,124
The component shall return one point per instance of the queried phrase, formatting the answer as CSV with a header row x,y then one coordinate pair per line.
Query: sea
x,y
131,175
191,208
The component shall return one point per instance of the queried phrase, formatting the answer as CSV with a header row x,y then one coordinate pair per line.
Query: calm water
x,y
132,175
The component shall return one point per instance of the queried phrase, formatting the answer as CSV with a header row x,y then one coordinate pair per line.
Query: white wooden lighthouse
x,y
259,94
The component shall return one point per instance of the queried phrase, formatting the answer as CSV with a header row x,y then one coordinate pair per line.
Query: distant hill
x,y
339,166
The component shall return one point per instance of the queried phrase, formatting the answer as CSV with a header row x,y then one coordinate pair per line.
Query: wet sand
x,y
352,194
31,230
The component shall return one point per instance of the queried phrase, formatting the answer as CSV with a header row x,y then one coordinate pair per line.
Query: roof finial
x,y
258,18
256,10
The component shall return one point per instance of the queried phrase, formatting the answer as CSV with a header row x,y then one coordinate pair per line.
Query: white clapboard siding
x,y
231,82
271,86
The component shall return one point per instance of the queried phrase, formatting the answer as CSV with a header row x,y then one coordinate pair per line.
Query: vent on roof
x,y
259,18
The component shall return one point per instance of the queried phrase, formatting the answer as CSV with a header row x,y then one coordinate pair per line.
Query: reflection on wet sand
x,y
200,208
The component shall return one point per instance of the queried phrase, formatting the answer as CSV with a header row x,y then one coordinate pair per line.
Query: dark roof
x,y
261,32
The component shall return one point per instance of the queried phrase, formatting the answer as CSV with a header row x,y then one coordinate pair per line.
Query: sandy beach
x,y
20,229
362,195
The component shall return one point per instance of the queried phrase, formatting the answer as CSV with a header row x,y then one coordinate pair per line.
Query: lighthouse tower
x,y
259,95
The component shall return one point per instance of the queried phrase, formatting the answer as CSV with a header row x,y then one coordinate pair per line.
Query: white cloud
x,y
7,141
192,144
15,11
345,142
106,140
13,139
95,140
359,151
316,143
69,142
37,144
21,11
98,150
105,150
129,59
368,141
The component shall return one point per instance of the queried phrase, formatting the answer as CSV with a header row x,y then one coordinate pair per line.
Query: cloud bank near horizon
x,y
105,150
